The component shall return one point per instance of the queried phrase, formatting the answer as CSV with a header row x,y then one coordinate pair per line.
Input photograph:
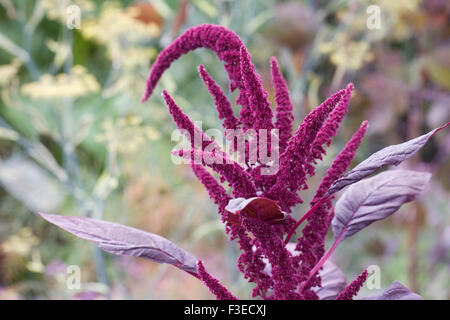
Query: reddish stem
x,y
305,216
322,260
193,274
439,129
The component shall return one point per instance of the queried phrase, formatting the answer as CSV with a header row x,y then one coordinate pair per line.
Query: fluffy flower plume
x,y
215,190
251,264
222,104
291,176
184,123
284,116
353,288
262,243
329,129
231,171
213,284
312,244
272,246
342,162
225,43
256,95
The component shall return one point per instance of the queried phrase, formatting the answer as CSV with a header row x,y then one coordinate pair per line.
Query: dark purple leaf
x,y
392,156
396,291
374,199
259,208
126,241
333,281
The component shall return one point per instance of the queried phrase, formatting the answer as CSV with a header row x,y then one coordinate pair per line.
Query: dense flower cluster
x,y
213,284
353,288
263,244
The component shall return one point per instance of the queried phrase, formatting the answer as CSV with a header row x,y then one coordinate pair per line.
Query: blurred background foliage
x,y
75,140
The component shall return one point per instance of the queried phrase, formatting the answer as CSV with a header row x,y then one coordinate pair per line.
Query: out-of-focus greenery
x,y
75,140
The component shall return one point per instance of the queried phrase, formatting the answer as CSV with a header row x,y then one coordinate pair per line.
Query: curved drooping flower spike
x,y
241,71
329,129
225,43
223,106
284,116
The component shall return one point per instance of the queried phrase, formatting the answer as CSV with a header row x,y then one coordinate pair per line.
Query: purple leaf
x,y
392,156
396,291
374,199
333,281
126,241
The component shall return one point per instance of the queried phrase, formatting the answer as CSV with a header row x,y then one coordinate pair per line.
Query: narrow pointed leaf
x,y
396,291
126,241
392,156
374,199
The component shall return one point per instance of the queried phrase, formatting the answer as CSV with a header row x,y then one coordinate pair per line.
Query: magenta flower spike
x,y
213,284
353,288
284,116
231,171
291,176
312,244
342,162
223,106
184,123
272,246
225,43
255,93
329,129
215,190
255,205
261,242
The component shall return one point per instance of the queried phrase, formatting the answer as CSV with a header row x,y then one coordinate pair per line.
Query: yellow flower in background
x,y
21,243
60,49
57,9
126,135
347,53
403,17
8,82
398,19
399,7
35,264
116,23
73,85
8,72
122,33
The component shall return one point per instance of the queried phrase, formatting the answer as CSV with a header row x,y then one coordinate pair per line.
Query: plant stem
x,y
100,266
324,258
305,216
